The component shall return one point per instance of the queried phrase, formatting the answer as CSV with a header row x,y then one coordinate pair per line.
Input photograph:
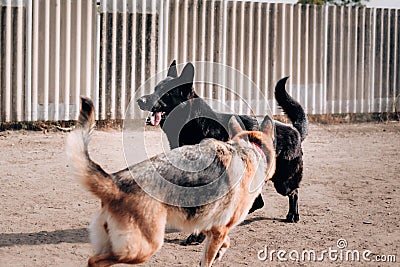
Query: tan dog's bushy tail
x,y
93,177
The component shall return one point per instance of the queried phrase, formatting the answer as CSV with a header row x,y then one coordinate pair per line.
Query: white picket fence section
x,y
340,60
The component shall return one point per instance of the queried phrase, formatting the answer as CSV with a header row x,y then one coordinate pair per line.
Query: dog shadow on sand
x,y
245,222
80,235
260,218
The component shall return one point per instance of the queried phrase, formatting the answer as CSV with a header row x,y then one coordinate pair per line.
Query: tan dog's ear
x,y
172,72
234,127
267,127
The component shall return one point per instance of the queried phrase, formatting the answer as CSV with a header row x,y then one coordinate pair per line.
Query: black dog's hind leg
x,y
293,214
194,239
258,204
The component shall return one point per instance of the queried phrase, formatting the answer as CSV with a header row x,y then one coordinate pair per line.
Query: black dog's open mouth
x,y
155,118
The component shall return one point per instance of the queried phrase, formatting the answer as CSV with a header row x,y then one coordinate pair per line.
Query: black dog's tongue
x,y
155,118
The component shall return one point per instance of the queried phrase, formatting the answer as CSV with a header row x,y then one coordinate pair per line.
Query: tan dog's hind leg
x,y
108,259
131,243
216,239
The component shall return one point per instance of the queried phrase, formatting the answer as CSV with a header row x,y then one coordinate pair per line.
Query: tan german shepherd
x,y
131,223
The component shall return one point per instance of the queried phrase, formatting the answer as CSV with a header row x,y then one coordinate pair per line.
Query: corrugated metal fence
x,y
47,58
341,60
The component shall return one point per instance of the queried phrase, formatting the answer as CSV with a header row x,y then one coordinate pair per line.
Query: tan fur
x,y
130,226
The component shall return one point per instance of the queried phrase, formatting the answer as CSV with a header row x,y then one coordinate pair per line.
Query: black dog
x,y
188,119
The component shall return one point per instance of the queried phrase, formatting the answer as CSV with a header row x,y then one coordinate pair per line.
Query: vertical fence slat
x,y
142,41
224,90
8,63
123,47
57,55
313,29
231,20
19,78
359,62
174,22
162,56
389,60
321,39
103,60
193,31
324,96
266,25
112,95
347,36
46,68
28,61
183,26
340,59
353,83
133,56
297,55
89,35
392,61
373,59
396,56
366,69
153,46
35,60
387,40
67,73
257,70
379,57
202,42
97,44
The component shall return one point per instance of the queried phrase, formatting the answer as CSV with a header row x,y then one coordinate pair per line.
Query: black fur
x,y
188,120
289,161
292,108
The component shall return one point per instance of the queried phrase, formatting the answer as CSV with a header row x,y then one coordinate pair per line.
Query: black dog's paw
x,y
194,239
292,218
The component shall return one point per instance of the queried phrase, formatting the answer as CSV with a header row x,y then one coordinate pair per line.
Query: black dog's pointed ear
x,y
172,72
234,127
267,126
187,74
186,79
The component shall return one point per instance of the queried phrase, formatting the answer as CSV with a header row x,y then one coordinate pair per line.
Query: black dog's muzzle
x,y
145,103
150,103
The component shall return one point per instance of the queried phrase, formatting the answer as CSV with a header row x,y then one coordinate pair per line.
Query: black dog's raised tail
x,y
292,108
93,177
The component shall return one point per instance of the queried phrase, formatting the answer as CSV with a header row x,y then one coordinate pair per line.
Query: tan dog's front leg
x,y
222,250
215,241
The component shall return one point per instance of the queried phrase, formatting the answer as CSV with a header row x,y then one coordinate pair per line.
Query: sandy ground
x,y
350,191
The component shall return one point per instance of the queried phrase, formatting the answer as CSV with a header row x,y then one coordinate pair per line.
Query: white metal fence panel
x,y
12,47
47,58
340,60
129,40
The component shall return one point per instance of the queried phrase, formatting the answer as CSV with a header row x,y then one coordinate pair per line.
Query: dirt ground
x,y
350,191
